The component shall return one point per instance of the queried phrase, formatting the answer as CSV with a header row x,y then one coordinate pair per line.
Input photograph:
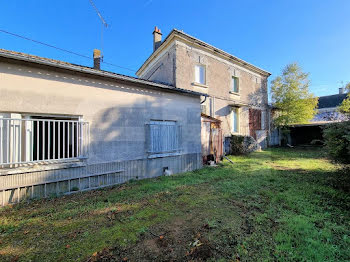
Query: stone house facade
x,y
67,128
237,91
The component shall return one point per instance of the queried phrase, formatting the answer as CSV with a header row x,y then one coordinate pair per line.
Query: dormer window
x,y
235,85
200,74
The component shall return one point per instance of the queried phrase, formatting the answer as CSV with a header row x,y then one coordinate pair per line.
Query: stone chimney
x,y
341,90
97,59
157,38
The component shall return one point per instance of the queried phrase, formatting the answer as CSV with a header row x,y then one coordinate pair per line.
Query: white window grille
x,y
200,74
164,137
39,139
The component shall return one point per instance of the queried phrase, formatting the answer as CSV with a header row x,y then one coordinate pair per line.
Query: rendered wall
x,y
117,113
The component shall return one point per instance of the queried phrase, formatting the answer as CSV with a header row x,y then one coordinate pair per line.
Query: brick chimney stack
x,y
341,90
157,38
97,59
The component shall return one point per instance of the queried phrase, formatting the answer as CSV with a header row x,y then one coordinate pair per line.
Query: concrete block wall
x,y
21,186
117,112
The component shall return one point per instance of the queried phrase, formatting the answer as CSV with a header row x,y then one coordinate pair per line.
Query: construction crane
x,y
103,24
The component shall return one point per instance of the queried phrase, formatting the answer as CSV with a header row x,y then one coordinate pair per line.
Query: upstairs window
x,y
235,120
164,137
200,74
235,84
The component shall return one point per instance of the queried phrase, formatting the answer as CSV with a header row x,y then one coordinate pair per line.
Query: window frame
x,y
204,76
150,138
24,147
263,119
235,79
235,110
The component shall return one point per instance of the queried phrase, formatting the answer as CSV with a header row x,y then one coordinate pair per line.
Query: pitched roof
x,y
330,101
194,40
89,70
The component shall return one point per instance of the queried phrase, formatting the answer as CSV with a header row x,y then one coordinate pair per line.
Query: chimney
x,y
97,59
341,90
157,38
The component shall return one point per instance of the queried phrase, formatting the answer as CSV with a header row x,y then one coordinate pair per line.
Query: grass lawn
x,y
280,204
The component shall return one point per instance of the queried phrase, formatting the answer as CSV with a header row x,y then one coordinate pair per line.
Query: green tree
x,y
290,95
345,105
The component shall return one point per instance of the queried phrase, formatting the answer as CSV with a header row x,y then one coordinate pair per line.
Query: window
x,y
200,74
26,139
235,120
235,84
263,119
164,137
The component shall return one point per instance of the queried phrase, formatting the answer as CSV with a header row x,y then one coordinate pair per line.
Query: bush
x,y
240,145
337,141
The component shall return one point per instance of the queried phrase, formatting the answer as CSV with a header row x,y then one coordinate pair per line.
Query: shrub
x,y
337,141
242,145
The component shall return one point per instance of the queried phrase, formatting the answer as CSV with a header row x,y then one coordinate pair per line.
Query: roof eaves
x,y
206,45
89,70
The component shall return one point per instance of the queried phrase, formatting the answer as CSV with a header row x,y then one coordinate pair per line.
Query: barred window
x,y
26,139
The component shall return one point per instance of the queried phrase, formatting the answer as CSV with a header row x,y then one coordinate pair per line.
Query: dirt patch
x,y
285,168
181,240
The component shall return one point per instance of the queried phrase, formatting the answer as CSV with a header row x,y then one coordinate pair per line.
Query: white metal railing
x,y
25,141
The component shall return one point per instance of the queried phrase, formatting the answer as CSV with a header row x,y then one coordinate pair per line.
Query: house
x,y
237,90
327,113
67,128
327,108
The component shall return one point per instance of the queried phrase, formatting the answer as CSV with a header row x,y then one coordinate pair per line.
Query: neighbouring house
x,y
327,113
237,90
327,108
67,128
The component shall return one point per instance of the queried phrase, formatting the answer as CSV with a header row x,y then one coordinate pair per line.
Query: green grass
x,y
280,204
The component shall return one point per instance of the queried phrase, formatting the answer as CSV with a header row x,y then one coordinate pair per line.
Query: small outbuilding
x,y
212,139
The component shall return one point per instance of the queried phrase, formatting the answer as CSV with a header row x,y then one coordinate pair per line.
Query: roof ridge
x,y
175,30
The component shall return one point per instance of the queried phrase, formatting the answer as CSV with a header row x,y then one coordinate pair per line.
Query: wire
x,y
61,49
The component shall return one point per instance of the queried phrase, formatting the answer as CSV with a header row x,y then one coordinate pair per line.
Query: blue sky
x,y
268,34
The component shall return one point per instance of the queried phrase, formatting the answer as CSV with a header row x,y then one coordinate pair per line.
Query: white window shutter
x,y
164,136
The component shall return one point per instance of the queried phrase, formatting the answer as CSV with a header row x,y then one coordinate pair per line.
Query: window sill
x,y
160,155
43,166
235,93
199,84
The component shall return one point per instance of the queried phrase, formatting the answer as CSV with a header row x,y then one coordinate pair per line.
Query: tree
x,y
345,105
290,95
337,141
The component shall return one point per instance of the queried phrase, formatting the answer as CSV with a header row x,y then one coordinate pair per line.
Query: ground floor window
x,y
32,138
235,119
164,136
